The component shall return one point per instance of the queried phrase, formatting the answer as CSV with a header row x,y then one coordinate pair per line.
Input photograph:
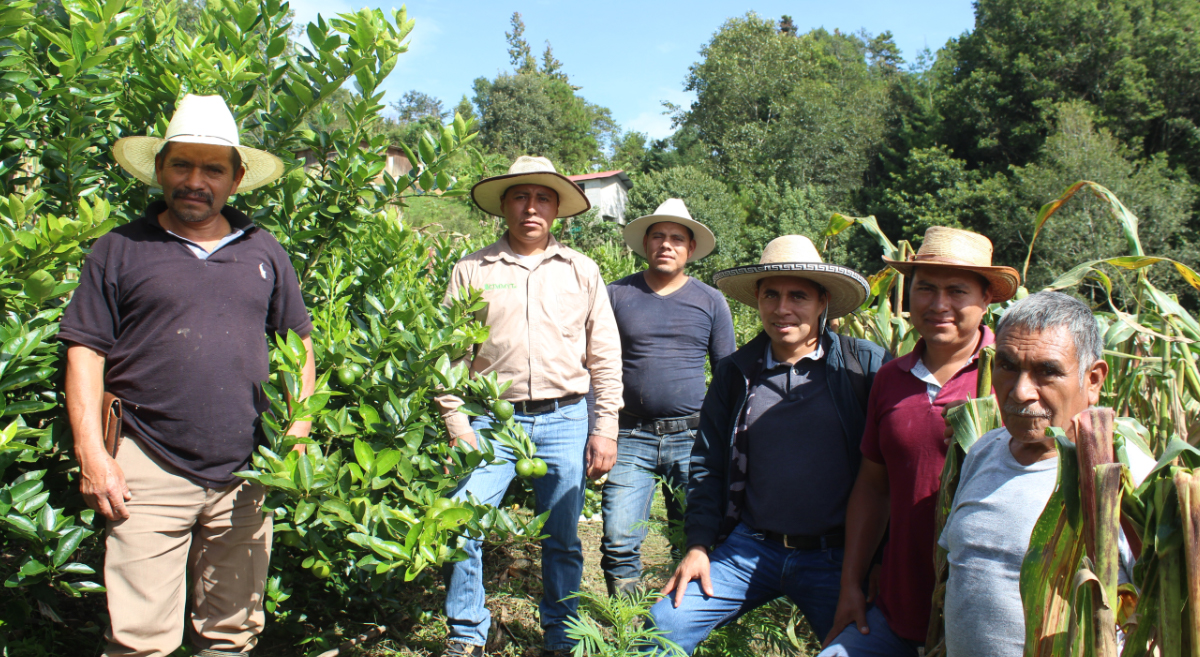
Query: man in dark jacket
x,y
777,453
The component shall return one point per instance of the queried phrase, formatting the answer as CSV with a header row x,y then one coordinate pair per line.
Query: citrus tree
x,y
364,510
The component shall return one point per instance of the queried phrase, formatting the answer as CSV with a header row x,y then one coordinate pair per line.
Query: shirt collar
x,y
907,361
815,354
502,250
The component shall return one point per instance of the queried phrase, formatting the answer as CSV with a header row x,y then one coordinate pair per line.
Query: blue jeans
x,y
748,571
629,493
879,643
560,437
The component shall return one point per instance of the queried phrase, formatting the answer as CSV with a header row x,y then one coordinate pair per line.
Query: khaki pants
x,y
181,536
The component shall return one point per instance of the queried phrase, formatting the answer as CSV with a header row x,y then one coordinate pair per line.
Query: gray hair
x,y
1048,310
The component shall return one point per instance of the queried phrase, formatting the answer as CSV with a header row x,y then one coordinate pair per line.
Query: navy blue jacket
x,y
708,479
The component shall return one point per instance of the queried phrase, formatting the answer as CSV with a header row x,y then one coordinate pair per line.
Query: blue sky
x,y
627,55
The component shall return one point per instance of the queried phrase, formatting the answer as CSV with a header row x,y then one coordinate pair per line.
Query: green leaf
x,y
67,545
296,347
304,473
246,16
364,455
33,567
304,511
386,460
338,508
77,569
22,526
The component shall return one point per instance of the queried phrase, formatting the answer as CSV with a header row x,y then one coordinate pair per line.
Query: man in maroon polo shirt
x,y
903,448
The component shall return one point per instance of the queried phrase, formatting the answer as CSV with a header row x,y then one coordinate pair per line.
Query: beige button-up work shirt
x,y
552,330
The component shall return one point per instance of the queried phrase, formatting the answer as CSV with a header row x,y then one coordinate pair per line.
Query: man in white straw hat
x,y
551,333
669,323
777,452
952,281
169,317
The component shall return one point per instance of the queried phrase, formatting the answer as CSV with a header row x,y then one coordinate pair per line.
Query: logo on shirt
x,y
262,271
500,286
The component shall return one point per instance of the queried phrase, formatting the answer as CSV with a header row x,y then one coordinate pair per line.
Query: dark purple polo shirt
x,y
904,432
185,339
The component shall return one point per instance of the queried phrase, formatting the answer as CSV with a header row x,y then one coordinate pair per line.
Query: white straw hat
x,y
795,255
528,170
198,120
674,211
951,248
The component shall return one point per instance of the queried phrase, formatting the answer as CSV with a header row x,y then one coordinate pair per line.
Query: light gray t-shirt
x,y
987,534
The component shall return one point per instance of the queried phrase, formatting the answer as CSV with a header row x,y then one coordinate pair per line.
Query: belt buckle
x,y
659,428
787,542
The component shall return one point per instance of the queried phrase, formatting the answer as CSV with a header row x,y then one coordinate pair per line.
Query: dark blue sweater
x,y
707,521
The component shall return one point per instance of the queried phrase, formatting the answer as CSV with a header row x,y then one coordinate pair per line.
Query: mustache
x,y
1021,411
193,195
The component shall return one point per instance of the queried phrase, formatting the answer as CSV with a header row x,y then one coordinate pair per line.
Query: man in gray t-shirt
x,y
987,534
1049,368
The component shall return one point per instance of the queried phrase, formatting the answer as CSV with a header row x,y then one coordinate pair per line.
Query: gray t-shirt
x,y
987,534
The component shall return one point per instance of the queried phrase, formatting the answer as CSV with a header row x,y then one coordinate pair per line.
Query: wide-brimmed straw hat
x,y
951,248
795,255
198,120
529,170
674,211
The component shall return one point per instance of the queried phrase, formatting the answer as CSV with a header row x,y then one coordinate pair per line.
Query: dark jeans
x,y
629,493
748,571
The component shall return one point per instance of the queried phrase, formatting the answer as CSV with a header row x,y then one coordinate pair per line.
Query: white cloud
x,y
655,125
655,122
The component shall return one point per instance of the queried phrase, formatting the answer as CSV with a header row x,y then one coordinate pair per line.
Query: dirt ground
x,y
513,576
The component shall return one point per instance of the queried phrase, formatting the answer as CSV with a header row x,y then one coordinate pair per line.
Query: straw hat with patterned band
x,y
528,170
795,255
198,120
951,248
675,211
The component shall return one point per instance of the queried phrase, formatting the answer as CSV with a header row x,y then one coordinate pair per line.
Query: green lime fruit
x,y
539,468
346,376
442,503
291,539
40,285
321,570
502,410
525,467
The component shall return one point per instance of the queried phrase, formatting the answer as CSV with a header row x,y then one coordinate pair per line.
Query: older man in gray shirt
x,y
1049,368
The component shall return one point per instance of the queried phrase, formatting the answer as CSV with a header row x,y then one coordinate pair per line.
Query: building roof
x,y
619,174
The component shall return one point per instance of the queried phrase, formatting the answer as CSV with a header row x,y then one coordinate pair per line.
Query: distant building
x,y
608,191
397,163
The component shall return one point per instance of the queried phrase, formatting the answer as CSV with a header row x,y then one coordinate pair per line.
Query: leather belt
x,y
660,427
801,542
543,406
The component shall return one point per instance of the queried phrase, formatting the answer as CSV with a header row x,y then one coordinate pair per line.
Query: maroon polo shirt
x,y
904,433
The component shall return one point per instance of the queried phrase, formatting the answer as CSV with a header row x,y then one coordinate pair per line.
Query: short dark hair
x,y
691,234
235,157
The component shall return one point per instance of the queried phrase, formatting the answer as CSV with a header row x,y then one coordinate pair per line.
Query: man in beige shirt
x,y
552,333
